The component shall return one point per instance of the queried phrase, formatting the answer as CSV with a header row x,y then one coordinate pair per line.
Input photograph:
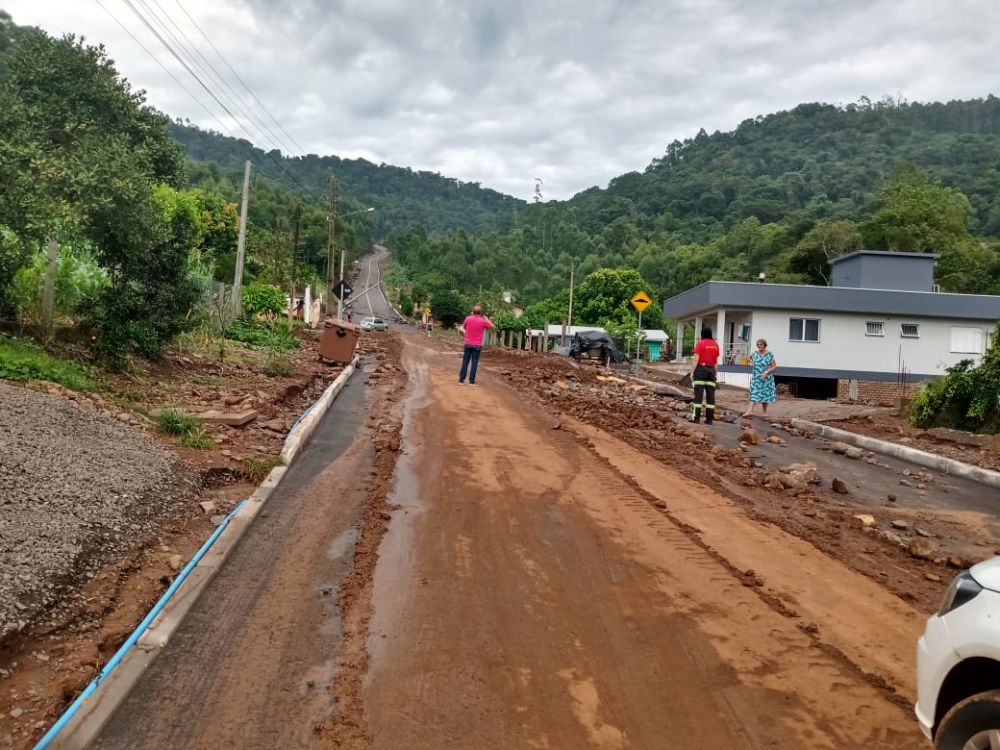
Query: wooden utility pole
x,y
571,268
49,288
331,229
241,243
296,226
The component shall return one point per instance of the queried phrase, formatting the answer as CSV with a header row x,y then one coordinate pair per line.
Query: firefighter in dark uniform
x,y
706,357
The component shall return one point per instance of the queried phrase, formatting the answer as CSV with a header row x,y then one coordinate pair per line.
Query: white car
x,y
958,664
374,324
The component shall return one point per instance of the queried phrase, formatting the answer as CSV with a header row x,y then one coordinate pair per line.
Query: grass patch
x,y
197,438
129,394
24,360
279,363
177,423
257,469
259,335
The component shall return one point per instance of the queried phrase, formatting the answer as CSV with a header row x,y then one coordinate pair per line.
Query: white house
x,y
879,330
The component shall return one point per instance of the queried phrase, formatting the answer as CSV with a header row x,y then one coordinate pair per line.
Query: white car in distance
x,y
374,324
958,664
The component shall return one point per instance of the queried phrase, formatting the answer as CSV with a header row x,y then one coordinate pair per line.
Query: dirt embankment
x,y
102,508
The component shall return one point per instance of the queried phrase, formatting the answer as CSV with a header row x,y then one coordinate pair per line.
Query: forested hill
x,y
817,161
402,196
781,195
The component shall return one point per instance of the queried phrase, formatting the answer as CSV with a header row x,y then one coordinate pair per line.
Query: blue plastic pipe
x,y
74,707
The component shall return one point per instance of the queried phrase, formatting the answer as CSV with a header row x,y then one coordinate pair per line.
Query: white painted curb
x,y
83,728
913,455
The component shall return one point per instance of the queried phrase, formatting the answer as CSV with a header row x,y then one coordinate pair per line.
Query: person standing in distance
x,y
763,391
706,357
474,326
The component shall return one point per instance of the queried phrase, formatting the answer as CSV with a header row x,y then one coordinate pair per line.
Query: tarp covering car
x,y
595,344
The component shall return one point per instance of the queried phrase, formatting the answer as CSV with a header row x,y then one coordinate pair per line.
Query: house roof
x,y
655,334
883,253
745,295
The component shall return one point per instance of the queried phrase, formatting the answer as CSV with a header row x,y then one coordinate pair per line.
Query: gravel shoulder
x,y
77,489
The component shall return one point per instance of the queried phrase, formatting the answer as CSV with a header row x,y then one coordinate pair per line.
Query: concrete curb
x,y
913,455
302,431
85,725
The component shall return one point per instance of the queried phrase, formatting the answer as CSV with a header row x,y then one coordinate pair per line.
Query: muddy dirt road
x,y
530,594
510,579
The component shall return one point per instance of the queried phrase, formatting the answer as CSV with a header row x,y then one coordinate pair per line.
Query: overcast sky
x,y
574,92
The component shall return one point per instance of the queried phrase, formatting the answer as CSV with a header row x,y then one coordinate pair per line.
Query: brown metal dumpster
x,y
339,341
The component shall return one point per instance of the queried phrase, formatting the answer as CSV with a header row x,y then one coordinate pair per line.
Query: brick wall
x,y
881,392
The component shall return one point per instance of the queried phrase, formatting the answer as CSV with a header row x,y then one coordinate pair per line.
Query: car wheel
x,y
973,724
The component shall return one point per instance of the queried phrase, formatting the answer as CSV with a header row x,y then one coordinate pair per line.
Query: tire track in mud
x,y
348,727
747,578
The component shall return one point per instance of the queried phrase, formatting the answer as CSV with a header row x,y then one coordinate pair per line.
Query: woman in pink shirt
x,y
474,326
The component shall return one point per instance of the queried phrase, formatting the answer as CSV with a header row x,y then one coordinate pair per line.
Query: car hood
x,y
987,573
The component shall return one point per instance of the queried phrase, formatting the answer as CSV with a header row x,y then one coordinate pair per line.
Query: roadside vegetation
x,y
967,398
136,240
24,360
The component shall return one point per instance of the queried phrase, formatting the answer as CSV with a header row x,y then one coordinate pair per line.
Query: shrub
x,y
280,363
260,335
260,299
22,360
967,398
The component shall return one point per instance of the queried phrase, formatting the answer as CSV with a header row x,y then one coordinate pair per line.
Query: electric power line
x,y
165,68
211,93
238,78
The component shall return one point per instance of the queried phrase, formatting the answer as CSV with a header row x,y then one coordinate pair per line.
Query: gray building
x,y
878,330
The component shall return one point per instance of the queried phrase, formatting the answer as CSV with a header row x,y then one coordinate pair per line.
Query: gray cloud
x,y
573,92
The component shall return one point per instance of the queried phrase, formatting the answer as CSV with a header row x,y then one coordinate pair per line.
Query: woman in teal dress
x,y
762,388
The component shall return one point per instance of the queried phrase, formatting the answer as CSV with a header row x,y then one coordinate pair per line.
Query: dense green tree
x,y
449,306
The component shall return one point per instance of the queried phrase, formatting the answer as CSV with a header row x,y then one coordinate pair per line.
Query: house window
x,y
874,328
966,340
803,329
910,330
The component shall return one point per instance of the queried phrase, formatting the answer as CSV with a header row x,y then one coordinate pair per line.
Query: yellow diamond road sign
x,y
427,311
641,301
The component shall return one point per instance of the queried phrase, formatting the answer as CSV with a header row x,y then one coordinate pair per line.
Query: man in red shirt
x,y
474,326
706,357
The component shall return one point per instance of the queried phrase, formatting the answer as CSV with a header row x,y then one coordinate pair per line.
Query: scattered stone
x,y
774,439
891,538
932,577
922,549
16,713
905,483
922,532
921,486
839,487
750,436
901,525
174,561
385,515
231,418
866,519
855,453
774,481
891,498
207,507
42,656
839,447
957,562
217,520
661,504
